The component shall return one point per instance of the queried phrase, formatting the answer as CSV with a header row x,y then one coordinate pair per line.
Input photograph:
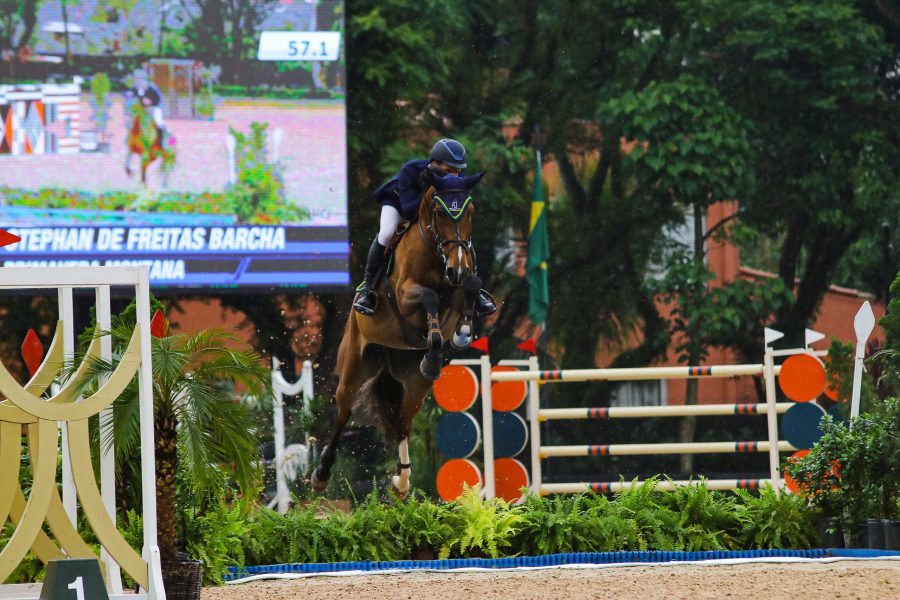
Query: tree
x,y
199,429
18,19
816,80
224,32
691,151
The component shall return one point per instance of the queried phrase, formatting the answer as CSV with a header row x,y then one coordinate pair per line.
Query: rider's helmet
x,y
450,152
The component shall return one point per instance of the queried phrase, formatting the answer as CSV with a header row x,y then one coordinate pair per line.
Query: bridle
x,y
439,242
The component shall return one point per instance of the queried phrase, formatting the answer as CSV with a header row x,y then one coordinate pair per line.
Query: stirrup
x,y
361,306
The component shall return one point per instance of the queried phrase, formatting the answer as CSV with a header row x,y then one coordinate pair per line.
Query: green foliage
x,y
552,526
30,569
641,518
193,380
725,316
853,473
885,364
691,144
420,525
706,518
100,87
258,195
206,203
482,526
839,369
891,320
773,520
343,541
215,536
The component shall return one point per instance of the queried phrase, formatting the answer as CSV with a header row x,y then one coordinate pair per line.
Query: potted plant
x,y
200,431
852,474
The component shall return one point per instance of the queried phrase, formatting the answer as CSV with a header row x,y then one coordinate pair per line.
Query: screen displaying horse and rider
x,y
144,132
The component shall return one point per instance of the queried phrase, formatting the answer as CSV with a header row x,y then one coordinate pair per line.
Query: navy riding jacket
x,y
404,190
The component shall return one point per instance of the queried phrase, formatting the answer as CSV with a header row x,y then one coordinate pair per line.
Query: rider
x,y
151,97
399,199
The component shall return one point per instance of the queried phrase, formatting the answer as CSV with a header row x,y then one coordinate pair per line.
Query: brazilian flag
x,y
538,253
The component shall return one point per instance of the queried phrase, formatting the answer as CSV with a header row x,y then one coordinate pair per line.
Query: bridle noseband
x,y
438,241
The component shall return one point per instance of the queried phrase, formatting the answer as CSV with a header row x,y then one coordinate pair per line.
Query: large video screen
x,y
206,139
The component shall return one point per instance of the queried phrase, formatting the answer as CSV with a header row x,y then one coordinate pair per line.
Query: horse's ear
x,y
434,176
470,181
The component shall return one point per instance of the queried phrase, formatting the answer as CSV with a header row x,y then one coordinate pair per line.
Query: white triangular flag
x,y
813,336
771,335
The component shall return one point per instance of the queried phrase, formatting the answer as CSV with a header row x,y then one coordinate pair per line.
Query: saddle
x,y
385,270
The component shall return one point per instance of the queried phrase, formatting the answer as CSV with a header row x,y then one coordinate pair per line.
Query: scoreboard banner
x,y
207,256
214,169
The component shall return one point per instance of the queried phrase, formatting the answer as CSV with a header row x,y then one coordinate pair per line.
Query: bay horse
x,y
145,141
388,362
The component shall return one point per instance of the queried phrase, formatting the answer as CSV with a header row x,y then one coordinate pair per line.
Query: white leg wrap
x,y
401,481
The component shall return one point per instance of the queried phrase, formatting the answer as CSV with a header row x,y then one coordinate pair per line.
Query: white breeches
x,y
390,220
156,113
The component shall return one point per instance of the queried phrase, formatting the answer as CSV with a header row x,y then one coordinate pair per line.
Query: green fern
x,y
479,526
773,520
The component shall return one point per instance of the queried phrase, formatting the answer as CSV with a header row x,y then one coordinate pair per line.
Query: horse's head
x,y
448,207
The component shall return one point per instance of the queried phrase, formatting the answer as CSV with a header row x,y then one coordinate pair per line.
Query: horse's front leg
x,y
430,366
462,337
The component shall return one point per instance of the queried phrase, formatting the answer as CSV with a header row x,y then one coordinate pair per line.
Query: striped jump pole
x,y
667,485
636,374
637,412
664,448
771,409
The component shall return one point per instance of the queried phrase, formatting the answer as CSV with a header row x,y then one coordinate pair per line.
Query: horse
x,y
145,141
388,362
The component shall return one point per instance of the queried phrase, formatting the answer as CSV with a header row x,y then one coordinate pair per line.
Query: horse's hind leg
x,y
404,369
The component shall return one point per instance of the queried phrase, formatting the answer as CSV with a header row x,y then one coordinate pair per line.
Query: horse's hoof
x,y
462,338
319,485
395,485
430,369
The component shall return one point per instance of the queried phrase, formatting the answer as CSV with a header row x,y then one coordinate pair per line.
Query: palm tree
x,y
199,429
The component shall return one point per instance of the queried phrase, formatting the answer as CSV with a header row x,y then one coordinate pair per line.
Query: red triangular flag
x,y
32,351
528,346
480,344
7,238
159,326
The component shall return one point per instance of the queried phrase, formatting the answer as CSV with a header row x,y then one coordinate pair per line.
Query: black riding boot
x,y
484,303
366,301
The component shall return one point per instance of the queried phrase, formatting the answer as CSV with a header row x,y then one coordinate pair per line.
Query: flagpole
x,y
543,335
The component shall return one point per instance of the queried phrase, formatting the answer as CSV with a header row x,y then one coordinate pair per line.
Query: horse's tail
x,y
381,397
